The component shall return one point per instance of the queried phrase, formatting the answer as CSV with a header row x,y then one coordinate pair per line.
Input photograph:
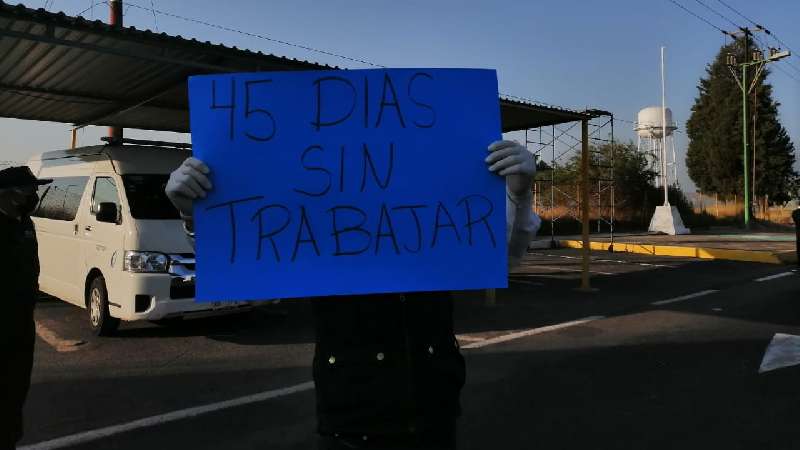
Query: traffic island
x,y
732,245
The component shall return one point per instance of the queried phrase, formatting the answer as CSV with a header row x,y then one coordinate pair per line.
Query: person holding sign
x,y
387,367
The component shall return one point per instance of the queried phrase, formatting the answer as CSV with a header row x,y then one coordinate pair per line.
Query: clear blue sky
x,y
602,54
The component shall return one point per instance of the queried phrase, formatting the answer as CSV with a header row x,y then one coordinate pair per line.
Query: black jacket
x,y
19,260
386,364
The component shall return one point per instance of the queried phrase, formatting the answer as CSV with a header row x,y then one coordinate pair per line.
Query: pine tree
x,y
714,158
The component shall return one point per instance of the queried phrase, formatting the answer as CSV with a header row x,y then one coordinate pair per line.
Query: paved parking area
x,y
664,354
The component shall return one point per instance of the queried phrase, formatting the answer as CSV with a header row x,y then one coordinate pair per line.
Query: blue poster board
x,y
347,182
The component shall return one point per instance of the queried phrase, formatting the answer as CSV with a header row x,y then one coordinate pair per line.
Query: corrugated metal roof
x,y
523,115
59,68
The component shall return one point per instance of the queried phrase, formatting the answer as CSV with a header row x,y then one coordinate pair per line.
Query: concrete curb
x,y
759,256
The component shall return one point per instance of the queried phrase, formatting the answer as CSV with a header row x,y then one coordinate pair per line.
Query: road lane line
x,y
531,332
61,345
566,269
468,338
526,282
773,277
595,259
660,266
685,297
93,435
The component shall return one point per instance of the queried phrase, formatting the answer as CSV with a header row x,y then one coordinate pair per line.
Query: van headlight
x,y
148,262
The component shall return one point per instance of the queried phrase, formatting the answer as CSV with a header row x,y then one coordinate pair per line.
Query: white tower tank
x,y
649,132
649,120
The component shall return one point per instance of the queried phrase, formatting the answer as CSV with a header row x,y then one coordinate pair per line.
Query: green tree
x,y
714,157
633,179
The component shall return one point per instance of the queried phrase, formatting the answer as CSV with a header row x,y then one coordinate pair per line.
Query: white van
x,y
109,239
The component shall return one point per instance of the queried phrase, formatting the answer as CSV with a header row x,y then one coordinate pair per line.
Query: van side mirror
x,y
107,212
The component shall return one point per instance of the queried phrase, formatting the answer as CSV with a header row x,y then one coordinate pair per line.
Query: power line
x,y
155,18
738,13
91,7
155,11
303,47
761,27
255,35
698,17
789,74
717,13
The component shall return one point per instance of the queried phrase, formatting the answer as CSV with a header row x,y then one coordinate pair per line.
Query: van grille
x,y
179,288
182,271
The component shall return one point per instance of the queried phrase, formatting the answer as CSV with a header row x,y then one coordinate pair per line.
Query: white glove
x,y
511,160
186,183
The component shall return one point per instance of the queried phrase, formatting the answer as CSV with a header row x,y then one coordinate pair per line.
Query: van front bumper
x,y
149,296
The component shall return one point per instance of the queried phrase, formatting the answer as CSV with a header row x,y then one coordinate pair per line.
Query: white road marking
x,y
661,266
783,351
468,338
93,435
61,345
773,277
595,259
684,297
528,282
564,269
531,332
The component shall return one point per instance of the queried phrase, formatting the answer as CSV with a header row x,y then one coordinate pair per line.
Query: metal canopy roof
x,y
59,68
521,115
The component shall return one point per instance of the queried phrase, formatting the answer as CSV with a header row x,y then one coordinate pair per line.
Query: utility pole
x,y
584,196
755,122
758,62
115,20
664,132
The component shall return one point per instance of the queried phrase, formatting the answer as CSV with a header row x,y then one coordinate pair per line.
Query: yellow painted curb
x,y
690,252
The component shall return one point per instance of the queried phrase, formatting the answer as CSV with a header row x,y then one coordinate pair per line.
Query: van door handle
x,y
75,229
88,228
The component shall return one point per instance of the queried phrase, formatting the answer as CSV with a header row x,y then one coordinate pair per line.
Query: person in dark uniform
x,y
19,280
387,368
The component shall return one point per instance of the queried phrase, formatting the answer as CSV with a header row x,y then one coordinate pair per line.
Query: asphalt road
x,y
547,367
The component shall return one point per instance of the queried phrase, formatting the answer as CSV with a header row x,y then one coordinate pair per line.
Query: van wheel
x,y
97,305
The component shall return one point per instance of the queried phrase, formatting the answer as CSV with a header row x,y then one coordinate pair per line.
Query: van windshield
x,y
147,199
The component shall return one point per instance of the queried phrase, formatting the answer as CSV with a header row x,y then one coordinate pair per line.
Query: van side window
x,y
60,199
105,191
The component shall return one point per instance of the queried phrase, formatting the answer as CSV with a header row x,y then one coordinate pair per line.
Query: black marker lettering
x,y
252,111
299,240
232,217
327,172
337,232
432,122
412,209
318,123
380,234
482,219
231,106
450,224
387,81
271,235
389,170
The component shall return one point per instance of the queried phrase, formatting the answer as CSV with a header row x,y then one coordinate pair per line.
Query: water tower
x,y
650,131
